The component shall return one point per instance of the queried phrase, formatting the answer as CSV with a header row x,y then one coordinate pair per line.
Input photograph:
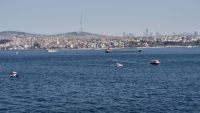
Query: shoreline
x,y
97,49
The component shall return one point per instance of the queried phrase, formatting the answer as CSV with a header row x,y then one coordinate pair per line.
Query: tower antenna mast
x,y
81,23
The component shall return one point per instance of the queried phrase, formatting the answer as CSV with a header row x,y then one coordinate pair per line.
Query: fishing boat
x,y
155,62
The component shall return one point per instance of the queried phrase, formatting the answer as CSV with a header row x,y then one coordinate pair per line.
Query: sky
x,y
108,17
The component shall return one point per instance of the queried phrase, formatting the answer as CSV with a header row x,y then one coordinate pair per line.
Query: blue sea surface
x,y
88,81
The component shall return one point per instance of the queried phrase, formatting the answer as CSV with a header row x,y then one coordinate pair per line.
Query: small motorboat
x,y
52,50
119,65
108,50
155,62
139,50
13,74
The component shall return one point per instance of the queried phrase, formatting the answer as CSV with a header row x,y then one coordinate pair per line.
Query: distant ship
x,y
155,62
51,50
13,74
108,50
139,50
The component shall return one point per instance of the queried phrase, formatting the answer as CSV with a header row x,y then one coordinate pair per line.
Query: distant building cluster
x,y
77,40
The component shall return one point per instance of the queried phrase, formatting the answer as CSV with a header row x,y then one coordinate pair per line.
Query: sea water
x,y
89,81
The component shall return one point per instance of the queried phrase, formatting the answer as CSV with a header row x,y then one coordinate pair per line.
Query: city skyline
x,y
101,17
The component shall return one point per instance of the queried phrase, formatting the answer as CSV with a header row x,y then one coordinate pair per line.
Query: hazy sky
x,y
110,17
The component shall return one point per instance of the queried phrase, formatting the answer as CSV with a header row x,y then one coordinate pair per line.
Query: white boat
x,y
119,65
51,50
13,74
155,62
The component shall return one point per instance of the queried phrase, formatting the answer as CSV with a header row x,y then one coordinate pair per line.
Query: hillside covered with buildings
x,y
11,40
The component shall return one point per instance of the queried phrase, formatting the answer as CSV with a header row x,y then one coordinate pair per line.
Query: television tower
x,y
81,23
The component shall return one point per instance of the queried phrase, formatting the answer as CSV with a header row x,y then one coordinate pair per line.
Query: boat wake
x,y
4,75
